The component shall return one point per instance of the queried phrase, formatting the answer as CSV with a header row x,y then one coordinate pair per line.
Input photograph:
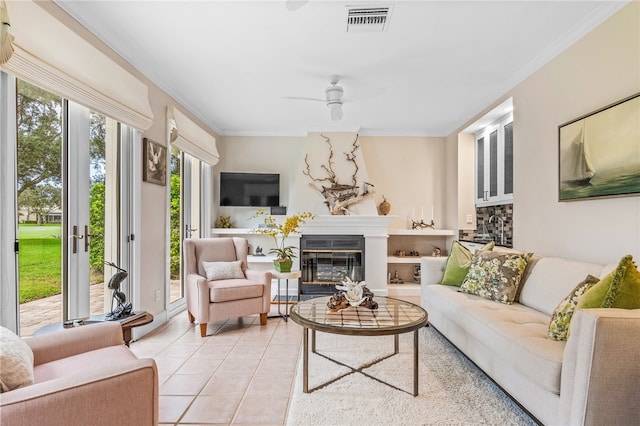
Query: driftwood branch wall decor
x,y
337,196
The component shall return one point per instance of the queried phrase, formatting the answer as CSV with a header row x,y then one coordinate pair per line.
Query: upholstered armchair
x,y
219,284
78,376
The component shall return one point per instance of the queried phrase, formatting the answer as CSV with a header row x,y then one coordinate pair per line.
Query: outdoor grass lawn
x,y
39,261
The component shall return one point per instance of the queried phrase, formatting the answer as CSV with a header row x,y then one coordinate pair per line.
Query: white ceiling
x,y
231,63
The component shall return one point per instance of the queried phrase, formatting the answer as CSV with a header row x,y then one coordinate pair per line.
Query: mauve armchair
x,y
213,300
84,376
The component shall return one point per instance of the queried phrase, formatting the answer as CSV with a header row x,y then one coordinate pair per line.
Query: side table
x,y
286,276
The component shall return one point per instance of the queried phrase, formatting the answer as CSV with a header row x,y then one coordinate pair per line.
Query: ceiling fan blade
x,y
372,93
293,5
302,98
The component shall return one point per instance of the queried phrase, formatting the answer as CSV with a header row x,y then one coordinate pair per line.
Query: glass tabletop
x,y
393,316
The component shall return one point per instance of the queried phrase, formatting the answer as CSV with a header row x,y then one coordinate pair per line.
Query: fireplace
x,y
326,260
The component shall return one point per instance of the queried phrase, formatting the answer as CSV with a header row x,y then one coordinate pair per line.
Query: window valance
x,y
189,137
52,56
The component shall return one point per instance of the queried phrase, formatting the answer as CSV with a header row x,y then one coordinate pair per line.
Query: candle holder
x,y
422,224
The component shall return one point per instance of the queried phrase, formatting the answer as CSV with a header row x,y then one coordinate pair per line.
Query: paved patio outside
x,y
38,313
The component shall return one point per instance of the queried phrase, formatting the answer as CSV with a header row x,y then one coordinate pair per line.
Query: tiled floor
x,y
241,373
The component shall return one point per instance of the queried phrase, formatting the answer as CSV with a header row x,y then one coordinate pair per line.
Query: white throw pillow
x,y
16,361
223,270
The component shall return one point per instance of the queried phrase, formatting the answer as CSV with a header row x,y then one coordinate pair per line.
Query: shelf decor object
x,y
598,153
339,196
384,206
279,232
422,224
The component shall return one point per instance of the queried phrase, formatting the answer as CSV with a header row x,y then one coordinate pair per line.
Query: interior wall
x,y
258,154
410,173
466,181
599,69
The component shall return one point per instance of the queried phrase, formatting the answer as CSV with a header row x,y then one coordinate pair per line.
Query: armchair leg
x,y
263,319
203,330
191,317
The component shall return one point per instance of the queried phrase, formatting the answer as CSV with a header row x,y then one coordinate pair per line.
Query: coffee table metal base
x,y
305,363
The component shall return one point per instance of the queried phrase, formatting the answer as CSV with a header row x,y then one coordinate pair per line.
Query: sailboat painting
x,y
578,168
599,154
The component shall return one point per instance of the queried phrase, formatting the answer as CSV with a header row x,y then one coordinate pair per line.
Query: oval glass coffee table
x,y
393,317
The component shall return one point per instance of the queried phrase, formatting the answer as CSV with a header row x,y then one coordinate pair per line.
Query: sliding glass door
x,y
185,218
72,170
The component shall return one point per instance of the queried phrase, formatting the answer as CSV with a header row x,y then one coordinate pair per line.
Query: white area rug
x,y
452,391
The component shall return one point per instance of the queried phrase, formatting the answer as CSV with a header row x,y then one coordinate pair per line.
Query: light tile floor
x,y
240,373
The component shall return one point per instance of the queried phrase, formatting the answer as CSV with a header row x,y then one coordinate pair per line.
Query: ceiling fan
x,y
333,98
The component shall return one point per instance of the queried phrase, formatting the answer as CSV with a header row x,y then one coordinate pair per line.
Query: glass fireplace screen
x,y
327,261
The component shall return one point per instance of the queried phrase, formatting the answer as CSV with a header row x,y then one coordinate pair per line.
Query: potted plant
x,y
279,232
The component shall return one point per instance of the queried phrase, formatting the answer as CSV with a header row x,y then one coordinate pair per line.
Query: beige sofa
x,y
84,376
593,378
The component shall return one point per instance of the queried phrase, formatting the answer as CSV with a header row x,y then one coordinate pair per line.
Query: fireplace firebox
x,y
326,260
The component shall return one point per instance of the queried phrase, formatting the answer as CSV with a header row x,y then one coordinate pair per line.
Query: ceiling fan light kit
x,y
334,94
336,111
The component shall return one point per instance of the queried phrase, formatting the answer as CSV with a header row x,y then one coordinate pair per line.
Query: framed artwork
x,y
599,153
154,162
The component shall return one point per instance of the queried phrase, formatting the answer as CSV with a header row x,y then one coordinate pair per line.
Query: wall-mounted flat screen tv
x,y
249,189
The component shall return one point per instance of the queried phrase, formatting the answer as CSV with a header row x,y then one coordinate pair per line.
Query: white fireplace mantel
x,y
348,225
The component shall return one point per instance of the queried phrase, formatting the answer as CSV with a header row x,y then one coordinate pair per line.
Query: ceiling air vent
x,y
367,19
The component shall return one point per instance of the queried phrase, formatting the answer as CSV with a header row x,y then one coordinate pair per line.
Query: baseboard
x,y
158,320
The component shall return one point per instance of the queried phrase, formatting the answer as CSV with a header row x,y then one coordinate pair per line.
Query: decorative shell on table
x,y
352,293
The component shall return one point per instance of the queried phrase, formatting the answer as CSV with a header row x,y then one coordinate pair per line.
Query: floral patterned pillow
x,y
561,318
495,275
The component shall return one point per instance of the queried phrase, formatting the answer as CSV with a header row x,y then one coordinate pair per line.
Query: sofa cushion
x,y
458,263
561,318
234,289
516,334
495,275
619,289
551,279
223,270
16,361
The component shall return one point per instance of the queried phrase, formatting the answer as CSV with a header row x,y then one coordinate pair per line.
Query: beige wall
x,y
258,155
409,171
601,68
466,181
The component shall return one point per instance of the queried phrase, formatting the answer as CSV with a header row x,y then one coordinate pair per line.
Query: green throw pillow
x,y
495,275
619,289
561,318
458,263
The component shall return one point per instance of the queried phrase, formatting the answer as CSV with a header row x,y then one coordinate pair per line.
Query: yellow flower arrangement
x,y
280,231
